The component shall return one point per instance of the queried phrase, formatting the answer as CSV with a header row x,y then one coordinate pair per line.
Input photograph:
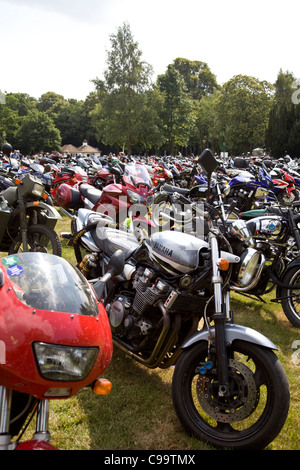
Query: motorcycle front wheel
x,y
291,297
40,239
254,413
288,199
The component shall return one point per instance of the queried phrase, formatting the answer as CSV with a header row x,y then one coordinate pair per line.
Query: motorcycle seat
x,y
109,240
89,192
174,189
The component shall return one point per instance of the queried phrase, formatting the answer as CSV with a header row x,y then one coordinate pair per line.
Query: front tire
x,y
254,413
291,297
40,239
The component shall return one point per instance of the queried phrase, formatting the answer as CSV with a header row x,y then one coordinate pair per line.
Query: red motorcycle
x,y
284,186
160,172
67,175
54,340
102,178
127,202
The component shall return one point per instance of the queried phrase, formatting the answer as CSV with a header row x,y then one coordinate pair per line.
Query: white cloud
x,y
60,45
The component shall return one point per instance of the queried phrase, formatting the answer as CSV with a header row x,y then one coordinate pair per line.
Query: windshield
x,y
48,282
137,174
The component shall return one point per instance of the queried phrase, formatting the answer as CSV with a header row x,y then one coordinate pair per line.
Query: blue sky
x,y
60,45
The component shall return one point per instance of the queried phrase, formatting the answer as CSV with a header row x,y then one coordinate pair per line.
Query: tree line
x,y
184,110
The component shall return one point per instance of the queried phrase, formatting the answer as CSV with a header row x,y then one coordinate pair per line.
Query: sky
x,y
61,45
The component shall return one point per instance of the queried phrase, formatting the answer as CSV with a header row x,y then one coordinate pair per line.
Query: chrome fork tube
x,y
42,421
219,318
5,409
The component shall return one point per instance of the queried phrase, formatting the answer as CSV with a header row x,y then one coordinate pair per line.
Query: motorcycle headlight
x,y
64,363
226,190
134,198
250,266
38,190
240,230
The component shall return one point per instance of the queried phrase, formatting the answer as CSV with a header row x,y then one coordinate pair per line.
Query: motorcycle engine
x,y
136,315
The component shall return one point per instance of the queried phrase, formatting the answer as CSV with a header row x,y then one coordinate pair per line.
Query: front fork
x,y
42,420
220,317
23,224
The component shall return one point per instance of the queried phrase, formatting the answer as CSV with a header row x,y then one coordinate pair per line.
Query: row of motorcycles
x,y
156,265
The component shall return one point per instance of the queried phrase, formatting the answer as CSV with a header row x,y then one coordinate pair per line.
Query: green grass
x,y
138,413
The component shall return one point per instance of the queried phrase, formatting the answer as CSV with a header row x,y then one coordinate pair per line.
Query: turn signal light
x,y
102,387
17,181
223,264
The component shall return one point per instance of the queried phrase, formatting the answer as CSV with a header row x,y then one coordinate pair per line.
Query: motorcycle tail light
x,y
64,363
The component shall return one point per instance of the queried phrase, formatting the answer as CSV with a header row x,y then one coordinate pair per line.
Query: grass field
x,y
138,413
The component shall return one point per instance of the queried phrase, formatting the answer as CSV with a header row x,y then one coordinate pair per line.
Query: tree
x,y
197,76
206,133
13,108
122,98
177,115
244,105
283,129
37,133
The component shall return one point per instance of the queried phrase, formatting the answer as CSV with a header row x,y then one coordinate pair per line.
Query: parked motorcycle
x,y
126,202
27,222
229,388
102,178
54,340
176,208
247,191
67,175
284,186
277,237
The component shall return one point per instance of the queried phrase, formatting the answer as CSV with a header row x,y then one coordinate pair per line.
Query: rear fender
x,y
232,333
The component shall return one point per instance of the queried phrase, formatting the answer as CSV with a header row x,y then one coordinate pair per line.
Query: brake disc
x,y
243,398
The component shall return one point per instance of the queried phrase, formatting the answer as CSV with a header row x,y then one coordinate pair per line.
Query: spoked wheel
x,y
291,297
253,414
40,239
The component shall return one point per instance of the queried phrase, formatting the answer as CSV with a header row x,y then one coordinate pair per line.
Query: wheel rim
x,y
239,416
294,296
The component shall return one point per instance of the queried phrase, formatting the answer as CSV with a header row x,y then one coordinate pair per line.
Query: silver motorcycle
x,y
168,303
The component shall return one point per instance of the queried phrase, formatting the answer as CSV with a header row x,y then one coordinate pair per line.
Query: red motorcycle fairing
x,y
22,326
35,445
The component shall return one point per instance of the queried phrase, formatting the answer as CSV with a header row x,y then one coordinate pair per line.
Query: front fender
x,y
232,332
49,211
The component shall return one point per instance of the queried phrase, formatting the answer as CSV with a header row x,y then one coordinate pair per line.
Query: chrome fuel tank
x,y
175,252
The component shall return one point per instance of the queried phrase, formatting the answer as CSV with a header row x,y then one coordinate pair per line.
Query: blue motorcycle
x,y
247,191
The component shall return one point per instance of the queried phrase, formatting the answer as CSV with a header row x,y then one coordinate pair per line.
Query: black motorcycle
x,y
168,303
27,222
276,235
